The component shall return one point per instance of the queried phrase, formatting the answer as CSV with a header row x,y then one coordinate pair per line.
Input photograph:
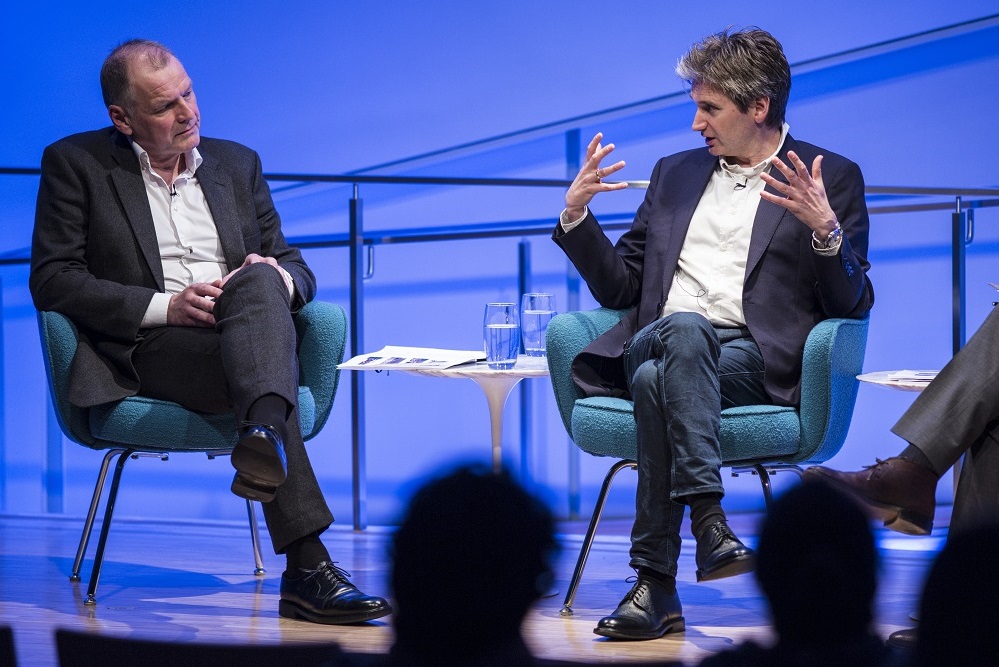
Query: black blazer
x,y
94,254
788,289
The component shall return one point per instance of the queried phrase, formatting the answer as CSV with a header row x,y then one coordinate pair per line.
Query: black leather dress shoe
x,y
260,463
648,611
325,595
720,554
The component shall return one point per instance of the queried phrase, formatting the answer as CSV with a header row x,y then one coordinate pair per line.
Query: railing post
x,y
960,237
961,227
526,388
54,473
359,485
573,149
3,420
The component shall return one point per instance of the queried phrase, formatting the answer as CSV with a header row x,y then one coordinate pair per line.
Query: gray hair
x,y
744,65
116,86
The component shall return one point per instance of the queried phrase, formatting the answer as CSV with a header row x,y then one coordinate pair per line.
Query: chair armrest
x,y
322,336
567,335
59,341
834,356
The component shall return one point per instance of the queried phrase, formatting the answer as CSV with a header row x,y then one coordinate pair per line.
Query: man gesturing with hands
x,y
737,251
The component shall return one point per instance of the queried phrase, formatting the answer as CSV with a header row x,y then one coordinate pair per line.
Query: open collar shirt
x,y
711,272
189,244
188,240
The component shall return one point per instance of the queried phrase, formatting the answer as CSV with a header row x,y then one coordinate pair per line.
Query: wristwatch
x,y
832,240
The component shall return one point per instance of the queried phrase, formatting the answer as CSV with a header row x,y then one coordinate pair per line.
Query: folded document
x,y
392,357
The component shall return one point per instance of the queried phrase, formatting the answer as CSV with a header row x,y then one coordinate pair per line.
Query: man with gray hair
x,y
739,249
164,248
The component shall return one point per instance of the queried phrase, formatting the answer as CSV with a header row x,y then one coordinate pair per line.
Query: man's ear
x,y
120,119
760,108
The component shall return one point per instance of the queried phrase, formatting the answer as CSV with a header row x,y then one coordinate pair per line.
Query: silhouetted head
x,y
959,615
473,553
817,565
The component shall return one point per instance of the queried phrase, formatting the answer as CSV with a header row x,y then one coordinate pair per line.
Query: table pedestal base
x,y
497,390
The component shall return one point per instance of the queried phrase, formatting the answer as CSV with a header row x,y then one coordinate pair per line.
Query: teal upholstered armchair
x,y
144,426
755,438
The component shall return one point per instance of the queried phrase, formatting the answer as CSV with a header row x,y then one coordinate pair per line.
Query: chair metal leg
x,y
258,560
95,573
255,539
584,552
768,493
88,525
765,471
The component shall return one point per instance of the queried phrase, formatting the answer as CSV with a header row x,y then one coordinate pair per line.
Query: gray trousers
x,y
251,352
957,414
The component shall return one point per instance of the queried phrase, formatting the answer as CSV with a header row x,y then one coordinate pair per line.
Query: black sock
x,y
915,455
270,409
306,553
705,509
664,580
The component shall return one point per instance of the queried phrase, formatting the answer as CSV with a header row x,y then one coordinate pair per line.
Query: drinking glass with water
x,y
536,311
501,334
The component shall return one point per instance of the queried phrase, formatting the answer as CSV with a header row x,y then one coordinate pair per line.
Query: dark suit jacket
x,y
94,254
788,288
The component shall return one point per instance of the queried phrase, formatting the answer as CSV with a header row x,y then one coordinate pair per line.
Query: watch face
x,y
830,239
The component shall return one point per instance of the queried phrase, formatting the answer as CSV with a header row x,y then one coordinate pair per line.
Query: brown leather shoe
x,y
898,492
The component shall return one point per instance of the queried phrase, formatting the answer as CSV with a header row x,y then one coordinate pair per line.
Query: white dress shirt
x,y
711,272
188,240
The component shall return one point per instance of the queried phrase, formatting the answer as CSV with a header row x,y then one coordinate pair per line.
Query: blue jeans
x,y
682,373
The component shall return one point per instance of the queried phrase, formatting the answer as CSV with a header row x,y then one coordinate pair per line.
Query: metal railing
x,y
961,202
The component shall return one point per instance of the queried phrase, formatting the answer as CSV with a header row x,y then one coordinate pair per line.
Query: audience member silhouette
x,y
7,656
817,567
485,547
958,615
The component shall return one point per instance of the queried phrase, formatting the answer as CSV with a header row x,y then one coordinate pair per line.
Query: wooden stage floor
x,y
187,582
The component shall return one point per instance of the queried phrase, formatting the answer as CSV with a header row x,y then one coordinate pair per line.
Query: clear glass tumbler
x,y
536,311
501,334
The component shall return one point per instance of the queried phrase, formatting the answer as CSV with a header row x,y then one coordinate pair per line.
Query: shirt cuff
x,y
289,282
156,311
568,225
